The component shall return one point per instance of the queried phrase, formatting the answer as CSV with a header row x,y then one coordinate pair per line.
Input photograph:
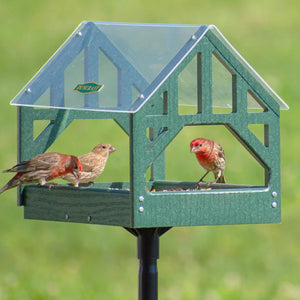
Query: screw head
x,y
28,91
79,34
141,97
141,209
141,198
274,194
193,37
274,204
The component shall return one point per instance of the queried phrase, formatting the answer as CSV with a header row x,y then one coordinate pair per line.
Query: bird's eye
x,y
200,145
103,147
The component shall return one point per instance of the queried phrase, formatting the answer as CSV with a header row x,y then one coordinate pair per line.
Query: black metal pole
x,y
148,253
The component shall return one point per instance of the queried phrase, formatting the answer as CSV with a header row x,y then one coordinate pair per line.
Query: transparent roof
x,y
118,66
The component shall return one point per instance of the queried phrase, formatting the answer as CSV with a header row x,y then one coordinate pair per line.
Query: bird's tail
x,y
15,181
221,179
6,187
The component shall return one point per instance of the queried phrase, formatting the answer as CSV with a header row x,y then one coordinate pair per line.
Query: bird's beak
x,y
112,149
193,149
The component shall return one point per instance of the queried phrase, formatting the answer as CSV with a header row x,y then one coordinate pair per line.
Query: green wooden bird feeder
x,y
140,75
133,74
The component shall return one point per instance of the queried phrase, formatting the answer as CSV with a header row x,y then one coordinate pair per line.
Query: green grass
x,y
47,260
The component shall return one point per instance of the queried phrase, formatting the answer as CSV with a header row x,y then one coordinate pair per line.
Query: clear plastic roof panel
x,y
117,66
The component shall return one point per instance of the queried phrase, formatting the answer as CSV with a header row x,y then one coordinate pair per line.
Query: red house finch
x,y
43,168
93,164
211,157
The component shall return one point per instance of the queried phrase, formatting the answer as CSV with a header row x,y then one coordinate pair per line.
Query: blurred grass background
x,y
48,260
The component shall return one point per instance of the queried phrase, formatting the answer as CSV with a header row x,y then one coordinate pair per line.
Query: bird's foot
x,y
52,184
203,185
199,184
86,184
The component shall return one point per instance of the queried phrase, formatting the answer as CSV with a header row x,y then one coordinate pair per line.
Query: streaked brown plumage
x,y
211,157
43,168
93,164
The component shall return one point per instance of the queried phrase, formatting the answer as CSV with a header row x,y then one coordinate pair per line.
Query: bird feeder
x,y
139,75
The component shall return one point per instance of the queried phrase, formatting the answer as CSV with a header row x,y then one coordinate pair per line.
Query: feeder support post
x,y
148,253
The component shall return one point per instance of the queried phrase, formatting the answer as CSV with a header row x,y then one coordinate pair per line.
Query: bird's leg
x,y
201,179
198,183
217,176
42,181
76,184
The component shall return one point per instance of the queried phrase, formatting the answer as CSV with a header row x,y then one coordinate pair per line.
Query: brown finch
x,y
43,168
211,157
93,164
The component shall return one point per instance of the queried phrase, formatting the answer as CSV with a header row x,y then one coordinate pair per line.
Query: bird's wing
x,y
221,152
87,162
43,161
18,167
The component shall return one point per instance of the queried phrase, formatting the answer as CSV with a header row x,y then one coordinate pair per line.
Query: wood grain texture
x,y
221,204
69,204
